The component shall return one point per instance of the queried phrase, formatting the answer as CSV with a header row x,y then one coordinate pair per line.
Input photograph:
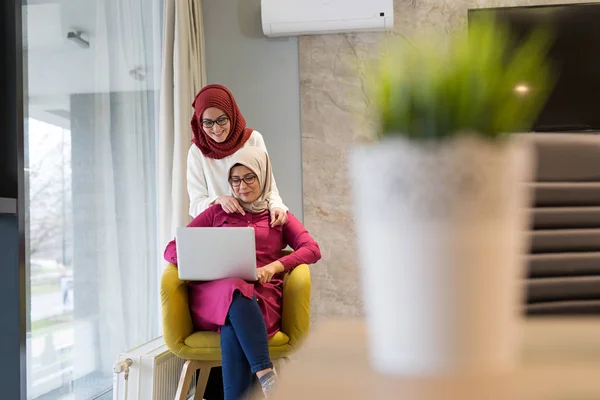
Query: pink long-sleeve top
x,y
210,301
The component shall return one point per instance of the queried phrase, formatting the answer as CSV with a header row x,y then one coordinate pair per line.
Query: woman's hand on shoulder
x,y
278,217
230,205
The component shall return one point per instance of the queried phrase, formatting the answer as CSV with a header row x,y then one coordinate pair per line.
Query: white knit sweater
x,y
207,178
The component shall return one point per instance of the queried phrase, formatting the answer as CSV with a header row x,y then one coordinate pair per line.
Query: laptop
x,y
208,254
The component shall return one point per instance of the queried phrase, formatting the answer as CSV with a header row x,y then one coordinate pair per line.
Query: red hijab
x,y
220,97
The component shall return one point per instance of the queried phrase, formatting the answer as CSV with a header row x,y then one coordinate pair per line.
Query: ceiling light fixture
x,y
77,37
138,73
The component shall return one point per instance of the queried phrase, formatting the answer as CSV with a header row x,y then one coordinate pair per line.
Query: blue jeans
x,y
244,346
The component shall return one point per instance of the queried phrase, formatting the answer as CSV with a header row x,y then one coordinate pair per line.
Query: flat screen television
x,y
574,104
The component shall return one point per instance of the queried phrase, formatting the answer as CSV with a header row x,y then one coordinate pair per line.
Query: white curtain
x,y
114,131
183,74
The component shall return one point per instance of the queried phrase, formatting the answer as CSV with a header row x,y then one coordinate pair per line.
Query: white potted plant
x,y
440,201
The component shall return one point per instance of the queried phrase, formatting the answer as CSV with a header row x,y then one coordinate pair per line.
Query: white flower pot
x,y
441,228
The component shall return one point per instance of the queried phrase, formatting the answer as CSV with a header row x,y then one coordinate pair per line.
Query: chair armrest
x,y
177,321
295,321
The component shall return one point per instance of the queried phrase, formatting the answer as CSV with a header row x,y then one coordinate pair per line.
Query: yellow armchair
x,y
202,350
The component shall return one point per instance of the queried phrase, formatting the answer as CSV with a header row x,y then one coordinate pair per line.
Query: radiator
x,y
147,372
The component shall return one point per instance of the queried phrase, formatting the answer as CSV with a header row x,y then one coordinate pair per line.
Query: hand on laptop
x,y
265,274
230,205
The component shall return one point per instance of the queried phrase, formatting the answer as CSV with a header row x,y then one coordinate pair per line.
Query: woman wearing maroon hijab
x,y
219,130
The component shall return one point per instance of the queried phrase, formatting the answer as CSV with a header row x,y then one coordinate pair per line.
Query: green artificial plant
x,y
481,81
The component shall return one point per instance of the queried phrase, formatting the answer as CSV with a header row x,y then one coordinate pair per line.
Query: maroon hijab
x,y
220,97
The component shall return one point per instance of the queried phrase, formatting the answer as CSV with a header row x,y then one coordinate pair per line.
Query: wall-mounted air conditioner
x,y
317,17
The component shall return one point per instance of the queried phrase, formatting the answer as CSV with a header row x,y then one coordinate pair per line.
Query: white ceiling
x,y
58,67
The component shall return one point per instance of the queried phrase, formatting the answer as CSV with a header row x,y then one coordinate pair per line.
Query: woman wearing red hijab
x,y
220,130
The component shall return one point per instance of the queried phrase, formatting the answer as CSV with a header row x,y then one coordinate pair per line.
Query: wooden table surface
x,y
560,361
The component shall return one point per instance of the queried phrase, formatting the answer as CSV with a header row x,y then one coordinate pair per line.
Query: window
x,y
92,72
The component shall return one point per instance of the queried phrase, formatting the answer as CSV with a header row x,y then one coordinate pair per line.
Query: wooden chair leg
x,y
185,379
277,364
202,382
280,363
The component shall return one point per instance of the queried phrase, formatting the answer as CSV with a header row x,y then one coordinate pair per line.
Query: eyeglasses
x,y
221,121
236,181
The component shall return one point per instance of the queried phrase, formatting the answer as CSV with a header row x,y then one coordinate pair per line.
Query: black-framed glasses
x,y
236,181
221,121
